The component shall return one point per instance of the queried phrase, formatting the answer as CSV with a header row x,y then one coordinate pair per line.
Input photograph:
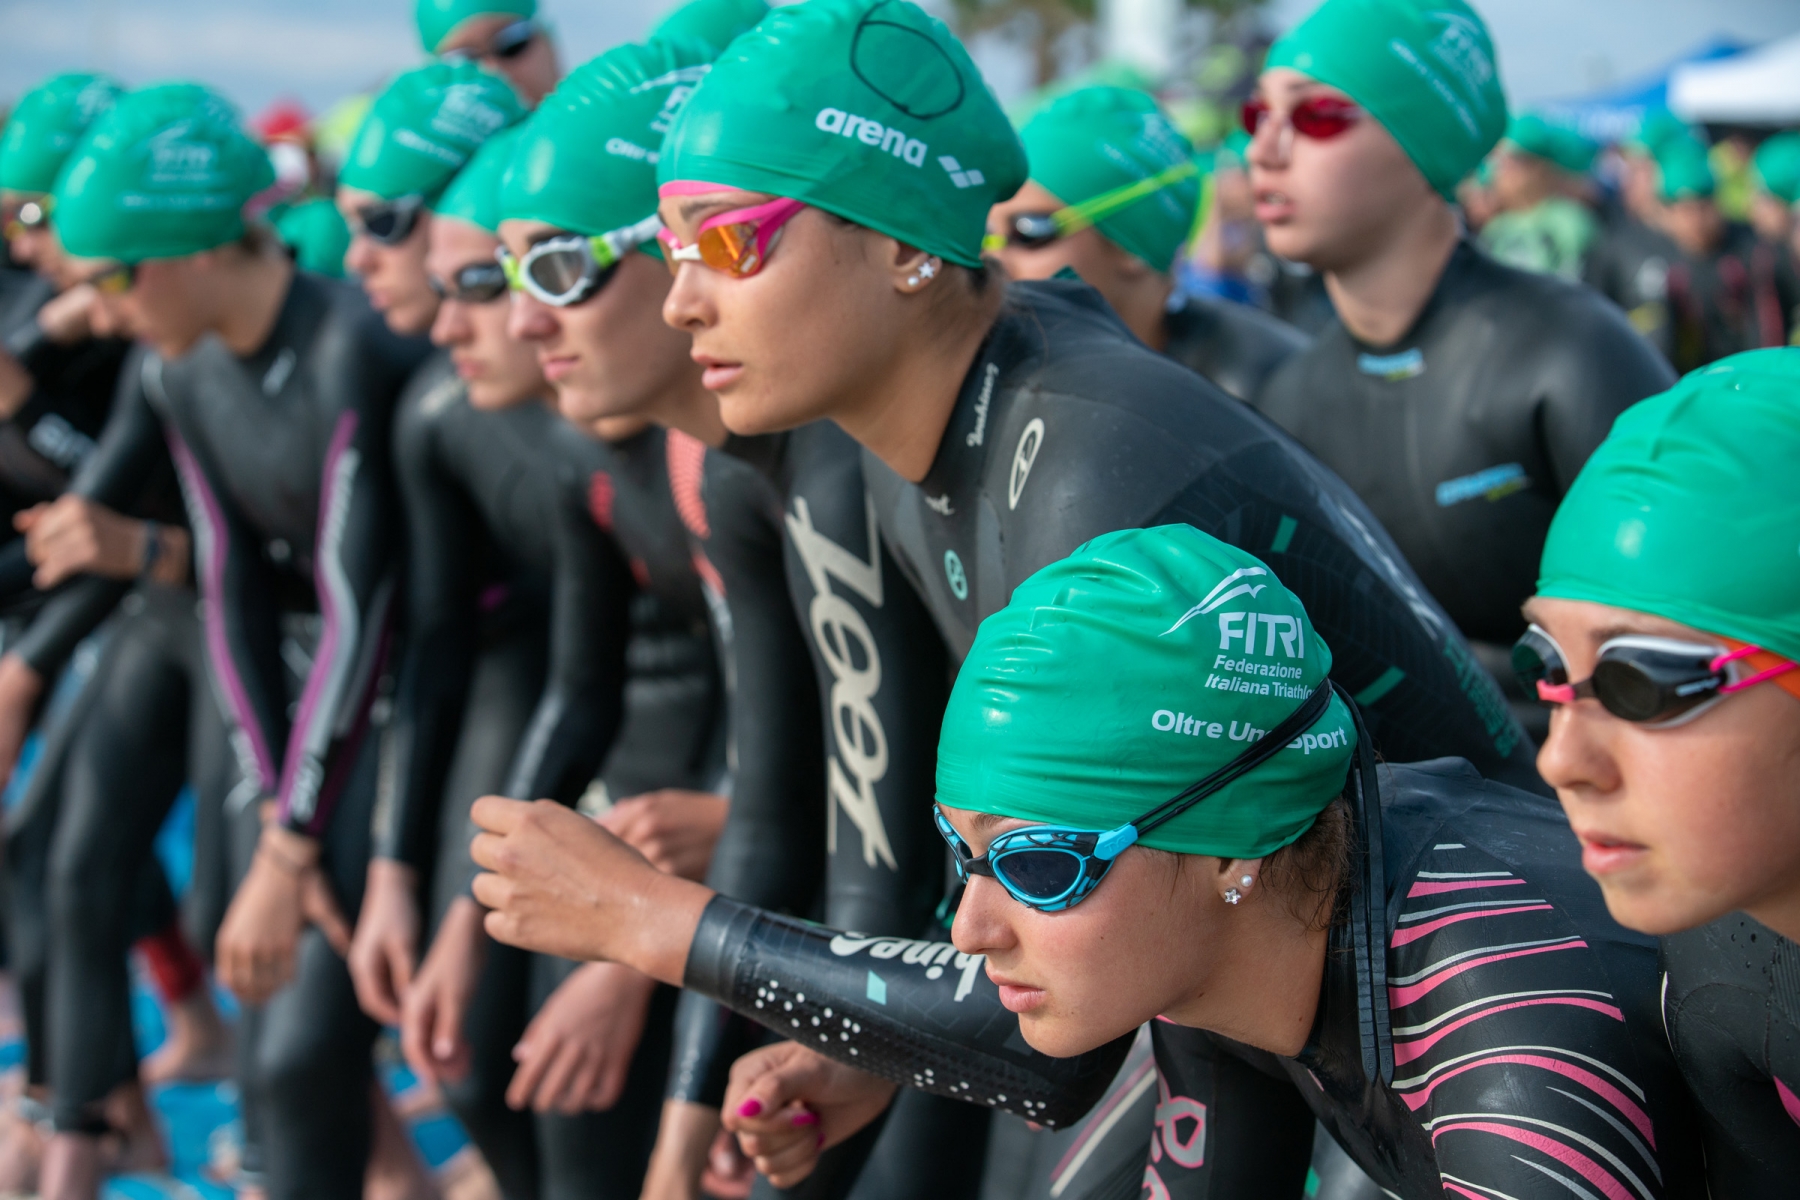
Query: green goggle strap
x,y
1094,209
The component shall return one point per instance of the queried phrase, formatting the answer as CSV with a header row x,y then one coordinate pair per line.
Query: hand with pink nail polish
x,y
786,1104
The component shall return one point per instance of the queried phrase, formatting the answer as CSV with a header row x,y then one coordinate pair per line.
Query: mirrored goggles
x,y
1052,867
1035,230
1652,681
1317,117
566,269
26,216
737,243
115,280
391,222
510,42
473,283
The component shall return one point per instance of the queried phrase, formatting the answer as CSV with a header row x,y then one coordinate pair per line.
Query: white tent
x,y
1760,87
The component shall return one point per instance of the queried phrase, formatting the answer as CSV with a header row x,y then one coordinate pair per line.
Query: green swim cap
x,y
1558,144
1684,171
425,126
316,233
715,22
1776,165
164,173
474,195
1098,140
1424,68
45,125
1135,667
438,19
587,160
1658,128
1690,509
870,109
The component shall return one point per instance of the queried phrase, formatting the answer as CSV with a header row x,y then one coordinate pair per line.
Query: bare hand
x,y
433,1008
73,535
260,935
20,688
384,950
69,317
577,1050
560,884
787,1103
674,828
684,1142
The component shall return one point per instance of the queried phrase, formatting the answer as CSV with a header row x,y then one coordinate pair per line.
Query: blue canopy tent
x,y
1615,113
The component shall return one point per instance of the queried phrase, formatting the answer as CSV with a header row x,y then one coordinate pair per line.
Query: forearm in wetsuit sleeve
x,y
583,703
920,1014
443,537
771,853
355,575
125,458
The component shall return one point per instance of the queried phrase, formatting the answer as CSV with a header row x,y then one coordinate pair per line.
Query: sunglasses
x,y
510,42
1651,681
391,222
565,270
736,243
29,215
1051,867
473,283
1035,230
115,280
1316,117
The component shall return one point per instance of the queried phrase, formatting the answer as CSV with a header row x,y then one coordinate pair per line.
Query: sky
x,y
319,50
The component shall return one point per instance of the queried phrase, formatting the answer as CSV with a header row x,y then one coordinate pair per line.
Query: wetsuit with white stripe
x,y
284,458
1731,1001
1522,1027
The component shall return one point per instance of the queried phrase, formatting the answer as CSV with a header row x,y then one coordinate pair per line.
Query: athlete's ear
x,y
912,269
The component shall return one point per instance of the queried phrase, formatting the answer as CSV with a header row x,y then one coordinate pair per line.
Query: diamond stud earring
x,y
1232,895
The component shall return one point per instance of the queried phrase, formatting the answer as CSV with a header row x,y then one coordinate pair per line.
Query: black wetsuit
x,y
285,461
1743,295
518,620
1629,265
1731,1004
1521,1034
1235,345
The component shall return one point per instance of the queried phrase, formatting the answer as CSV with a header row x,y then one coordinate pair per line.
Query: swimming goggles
x,y
736,243
1035,230
473,283
1051,867
391,222
1652,681
115,280
568,268
30,214
510,42
1320,118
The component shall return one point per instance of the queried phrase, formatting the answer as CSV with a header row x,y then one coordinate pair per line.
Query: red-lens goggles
x,y
1316,117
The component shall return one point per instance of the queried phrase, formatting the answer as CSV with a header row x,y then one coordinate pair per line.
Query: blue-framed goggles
x,y
1053,867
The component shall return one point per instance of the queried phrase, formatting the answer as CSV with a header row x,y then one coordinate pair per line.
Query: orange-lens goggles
x,y
736,243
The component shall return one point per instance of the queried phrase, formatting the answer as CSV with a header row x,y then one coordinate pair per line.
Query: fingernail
x,y
804,1117
750,1108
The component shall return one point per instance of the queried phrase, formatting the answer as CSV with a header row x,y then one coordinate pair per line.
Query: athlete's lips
x,y
1272,206
717,374
1605,853
557,366
1017,997
467,367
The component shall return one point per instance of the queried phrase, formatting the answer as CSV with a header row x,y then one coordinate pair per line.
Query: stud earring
x,y
912,281
1244,881
930,269
1232,895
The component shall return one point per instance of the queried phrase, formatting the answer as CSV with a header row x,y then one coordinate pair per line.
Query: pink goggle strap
x,y
1556,693
769,216
1718,664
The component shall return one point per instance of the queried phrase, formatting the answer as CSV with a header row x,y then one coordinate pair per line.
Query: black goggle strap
x,y
1368,909
1251,757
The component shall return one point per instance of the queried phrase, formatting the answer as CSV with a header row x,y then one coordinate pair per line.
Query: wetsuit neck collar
x,y
288,316
1461,260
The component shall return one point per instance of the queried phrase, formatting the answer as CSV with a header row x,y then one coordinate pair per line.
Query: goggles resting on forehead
x,y
1034,231
473,283
1652,681
1052,867
28,215
566,269
391,222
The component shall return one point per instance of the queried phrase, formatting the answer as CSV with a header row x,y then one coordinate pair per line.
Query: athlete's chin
x,y
1051,1030
747,410
1645,900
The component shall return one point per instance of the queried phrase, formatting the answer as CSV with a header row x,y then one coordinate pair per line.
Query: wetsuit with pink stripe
x,y
285,463
1731,1001
1526,1048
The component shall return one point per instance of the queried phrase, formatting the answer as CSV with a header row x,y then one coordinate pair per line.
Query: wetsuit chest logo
x,y
1494,483
1030,442
954,574
1409,364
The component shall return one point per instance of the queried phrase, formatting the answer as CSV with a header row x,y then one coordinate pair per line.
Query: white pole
x,y
1140,32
